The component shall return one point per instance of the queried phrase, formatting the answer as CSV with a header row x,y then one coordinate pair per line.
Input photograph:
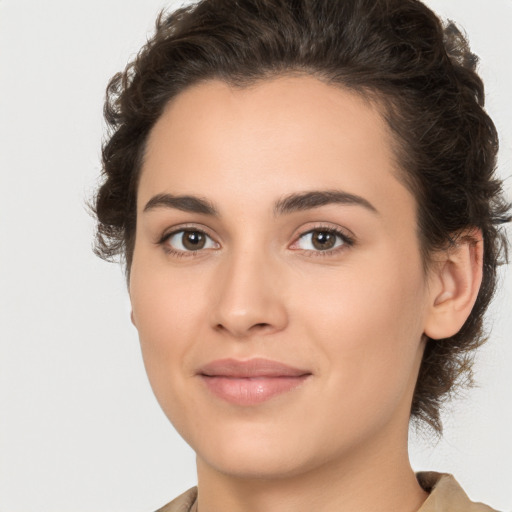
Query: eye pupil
x,y
323,240
193,240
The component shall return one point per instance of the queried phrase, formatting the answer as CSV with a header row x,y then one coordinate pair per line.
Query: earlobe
x,y
455,285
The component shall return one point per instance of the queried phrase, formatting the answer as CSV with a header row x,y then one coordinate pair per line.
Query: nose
x,y
248,296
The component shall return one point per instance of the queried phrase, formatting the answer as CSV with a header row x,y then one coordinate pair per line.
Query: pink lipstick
x,y
250,382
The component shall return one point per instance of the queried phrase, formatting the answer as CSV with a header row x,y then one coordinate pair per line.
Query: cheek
x,y
359,299
166,313
165,304
368,324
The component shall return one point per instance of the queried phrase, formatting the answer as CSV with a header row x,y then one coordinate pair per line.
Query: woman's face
x,y
277,283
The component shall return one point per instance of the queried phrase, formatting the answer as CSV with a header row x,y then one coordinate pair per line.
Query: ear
x,y
454,284
132,316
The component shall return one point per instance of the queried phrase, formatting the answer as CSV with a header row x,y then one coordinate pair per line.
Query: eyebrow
x,y
314,199
292,203
186,203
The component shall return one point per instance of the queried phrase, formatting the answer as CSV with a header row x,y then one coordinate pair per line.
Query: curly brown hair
x,y
397,53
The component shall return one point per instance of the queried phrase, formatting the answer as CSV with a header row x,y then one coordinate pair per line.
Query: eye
x,y
322,239
188,240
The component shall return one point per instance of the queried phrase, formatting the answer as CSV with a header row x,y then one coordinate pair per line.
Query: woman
x,y
304,195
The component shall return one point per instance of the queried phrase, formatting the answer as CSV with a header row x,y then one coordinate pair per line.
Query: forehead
x,y
288,134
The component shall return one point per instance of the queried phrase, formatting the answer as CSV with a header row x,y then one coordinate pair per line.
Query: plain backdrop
x,y
79,427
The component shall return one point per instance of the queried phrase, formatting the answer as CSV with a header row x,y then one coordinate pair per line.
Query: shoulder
x,y
183,503
446,495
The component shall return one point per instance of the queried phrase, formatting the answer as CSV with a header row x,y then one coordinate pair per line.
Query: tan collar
x,y
446,495
185,502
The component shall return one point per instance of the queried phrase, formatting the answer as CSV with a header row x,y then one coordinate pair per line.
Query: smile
x,y
250,382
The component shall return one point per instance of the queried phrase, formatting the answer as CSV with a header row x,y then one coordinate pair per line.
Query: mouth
x,y
250,382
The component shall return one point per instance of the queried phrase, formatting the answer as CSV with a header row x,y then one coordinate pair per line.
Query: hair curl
x,y
421,73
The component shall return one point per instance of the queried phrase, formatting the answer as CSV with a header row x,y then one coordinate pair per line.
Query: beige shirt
x,y
446,495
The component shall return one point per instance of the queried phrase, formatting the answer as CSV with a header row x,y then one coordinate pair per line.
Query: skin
x,y
354,317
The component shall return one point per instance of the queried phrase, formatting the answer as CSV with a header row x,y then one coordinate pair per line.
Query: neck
x,y
380,480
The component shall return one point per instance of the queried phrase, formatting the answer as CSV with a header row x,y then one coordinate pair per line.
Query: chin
x,y
250,452
254,463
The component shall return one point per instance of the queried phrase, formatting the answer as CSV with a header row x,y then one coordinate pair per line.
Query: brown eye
x,y
188,240
193,240
322,240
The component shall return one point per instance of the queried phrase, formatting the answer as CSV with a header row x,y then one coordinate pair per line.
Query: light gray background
x,y
79,427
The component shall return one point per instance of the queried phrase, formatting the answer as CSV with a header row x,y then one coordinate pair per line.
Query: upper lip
x,y
257,367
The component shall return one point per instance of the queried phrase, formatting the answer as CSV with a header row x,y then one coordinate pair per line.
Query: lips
x,y
250,382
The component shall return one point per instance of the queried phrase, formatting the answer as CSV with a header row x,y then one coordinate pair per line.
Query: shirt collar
x,y
446,495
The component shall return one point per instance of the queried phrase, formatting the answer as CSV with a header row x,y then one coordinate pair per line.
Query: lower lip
x,y
251,390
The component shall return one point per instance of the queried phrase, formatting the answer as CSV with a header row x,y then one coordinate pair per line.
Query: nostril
x,y
258,326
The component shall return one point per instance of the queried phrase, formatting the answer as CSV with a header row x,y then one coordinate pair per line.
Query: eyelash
x,y
346,240
179,253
